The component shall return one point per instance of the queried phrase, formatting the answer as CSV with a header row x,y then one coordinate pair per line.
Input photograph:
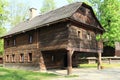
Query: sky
x,y
37,4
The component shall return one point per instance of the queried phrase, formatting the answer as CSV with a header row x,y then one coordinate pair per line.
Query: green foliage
x,y
2,32
48,5
96,4
9,74
3,12
18,11
108,12
3,18
110,20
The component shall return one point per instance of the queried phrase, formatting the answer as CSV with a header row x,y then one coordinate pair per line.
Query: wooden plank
x,y
83,50
69,60
99,60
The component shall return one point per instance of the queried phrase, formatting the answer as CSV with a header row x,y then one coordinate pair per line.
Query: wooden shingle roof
x,y
42,20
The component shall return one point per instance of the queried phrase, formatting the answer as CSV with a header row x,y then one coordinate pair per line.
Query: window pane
x,y
7,58
8,42
14,42
13,58
21,57
30,57
30,39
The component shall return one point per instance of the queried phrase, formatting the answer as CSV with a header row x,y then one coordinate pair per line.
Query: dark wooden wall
x,y
82,41
54,37
80,57
117,53
85,15
55,58
108,51
85,23
22,47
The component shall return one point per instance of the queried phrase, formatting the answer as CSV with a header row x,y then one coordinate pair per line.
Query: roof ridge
x,y
60,8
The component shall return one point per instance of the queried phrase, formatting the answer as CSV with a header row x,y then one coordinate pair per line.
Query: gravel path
x,y
90,74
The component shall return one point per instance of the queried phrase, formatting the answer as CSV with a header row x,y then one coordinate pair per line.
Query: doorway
x,y
65,60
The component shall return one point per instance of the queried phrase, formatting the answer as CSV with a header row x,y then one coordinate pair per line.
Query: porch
x,y
66,59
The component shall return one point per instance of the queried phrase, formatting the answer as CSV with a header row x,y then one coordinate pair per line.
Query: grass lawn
x,y
10,74
105,65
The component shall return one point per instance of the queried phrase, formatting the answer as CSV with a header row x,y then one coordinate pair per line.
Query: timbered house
x,y
55,39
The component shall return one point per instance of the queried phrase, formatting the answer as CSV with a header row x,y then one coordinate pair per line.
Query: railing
x,y
104,59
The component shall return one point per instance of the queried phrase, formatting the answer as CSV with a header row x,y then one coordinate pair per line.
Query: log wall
x,y
22,47
83,39
54,37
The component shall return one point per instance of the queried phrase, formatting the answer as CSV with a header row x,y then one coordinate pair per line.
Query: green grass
x,y
95,65
10,74
87,66
110,65
71,76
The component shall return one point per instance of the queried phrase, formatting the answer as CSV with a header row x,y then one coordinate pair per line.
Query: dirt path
x,y
90,74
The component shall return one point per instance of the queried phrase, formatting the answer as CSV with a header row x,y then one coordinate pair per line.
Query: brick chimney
x,y
33,13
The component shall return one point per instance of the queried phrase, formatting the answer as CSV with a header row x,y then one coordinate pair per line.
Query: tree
x,y
3,18
96,4
18,11
48,5
3,12
110,20
2,31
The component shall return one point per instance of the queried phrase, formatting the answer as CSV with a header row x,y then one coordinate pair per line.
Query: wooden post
x,y
109,60
42,63
69,61
99,60
37,38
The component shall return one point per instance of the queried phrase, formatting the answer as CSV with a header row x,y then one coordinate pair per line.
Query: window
x,y
29,57
79,33
88,36
13,57
7,58
14,41
21,57
30,38
53,58
8,42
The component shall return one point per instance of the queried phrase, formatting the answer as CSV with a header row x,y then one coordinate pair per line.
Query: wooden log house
x,y
54,39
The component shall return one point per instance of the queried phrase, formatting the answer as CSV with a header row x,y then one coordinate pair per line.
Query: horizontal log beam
x,y
54,47
85,50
